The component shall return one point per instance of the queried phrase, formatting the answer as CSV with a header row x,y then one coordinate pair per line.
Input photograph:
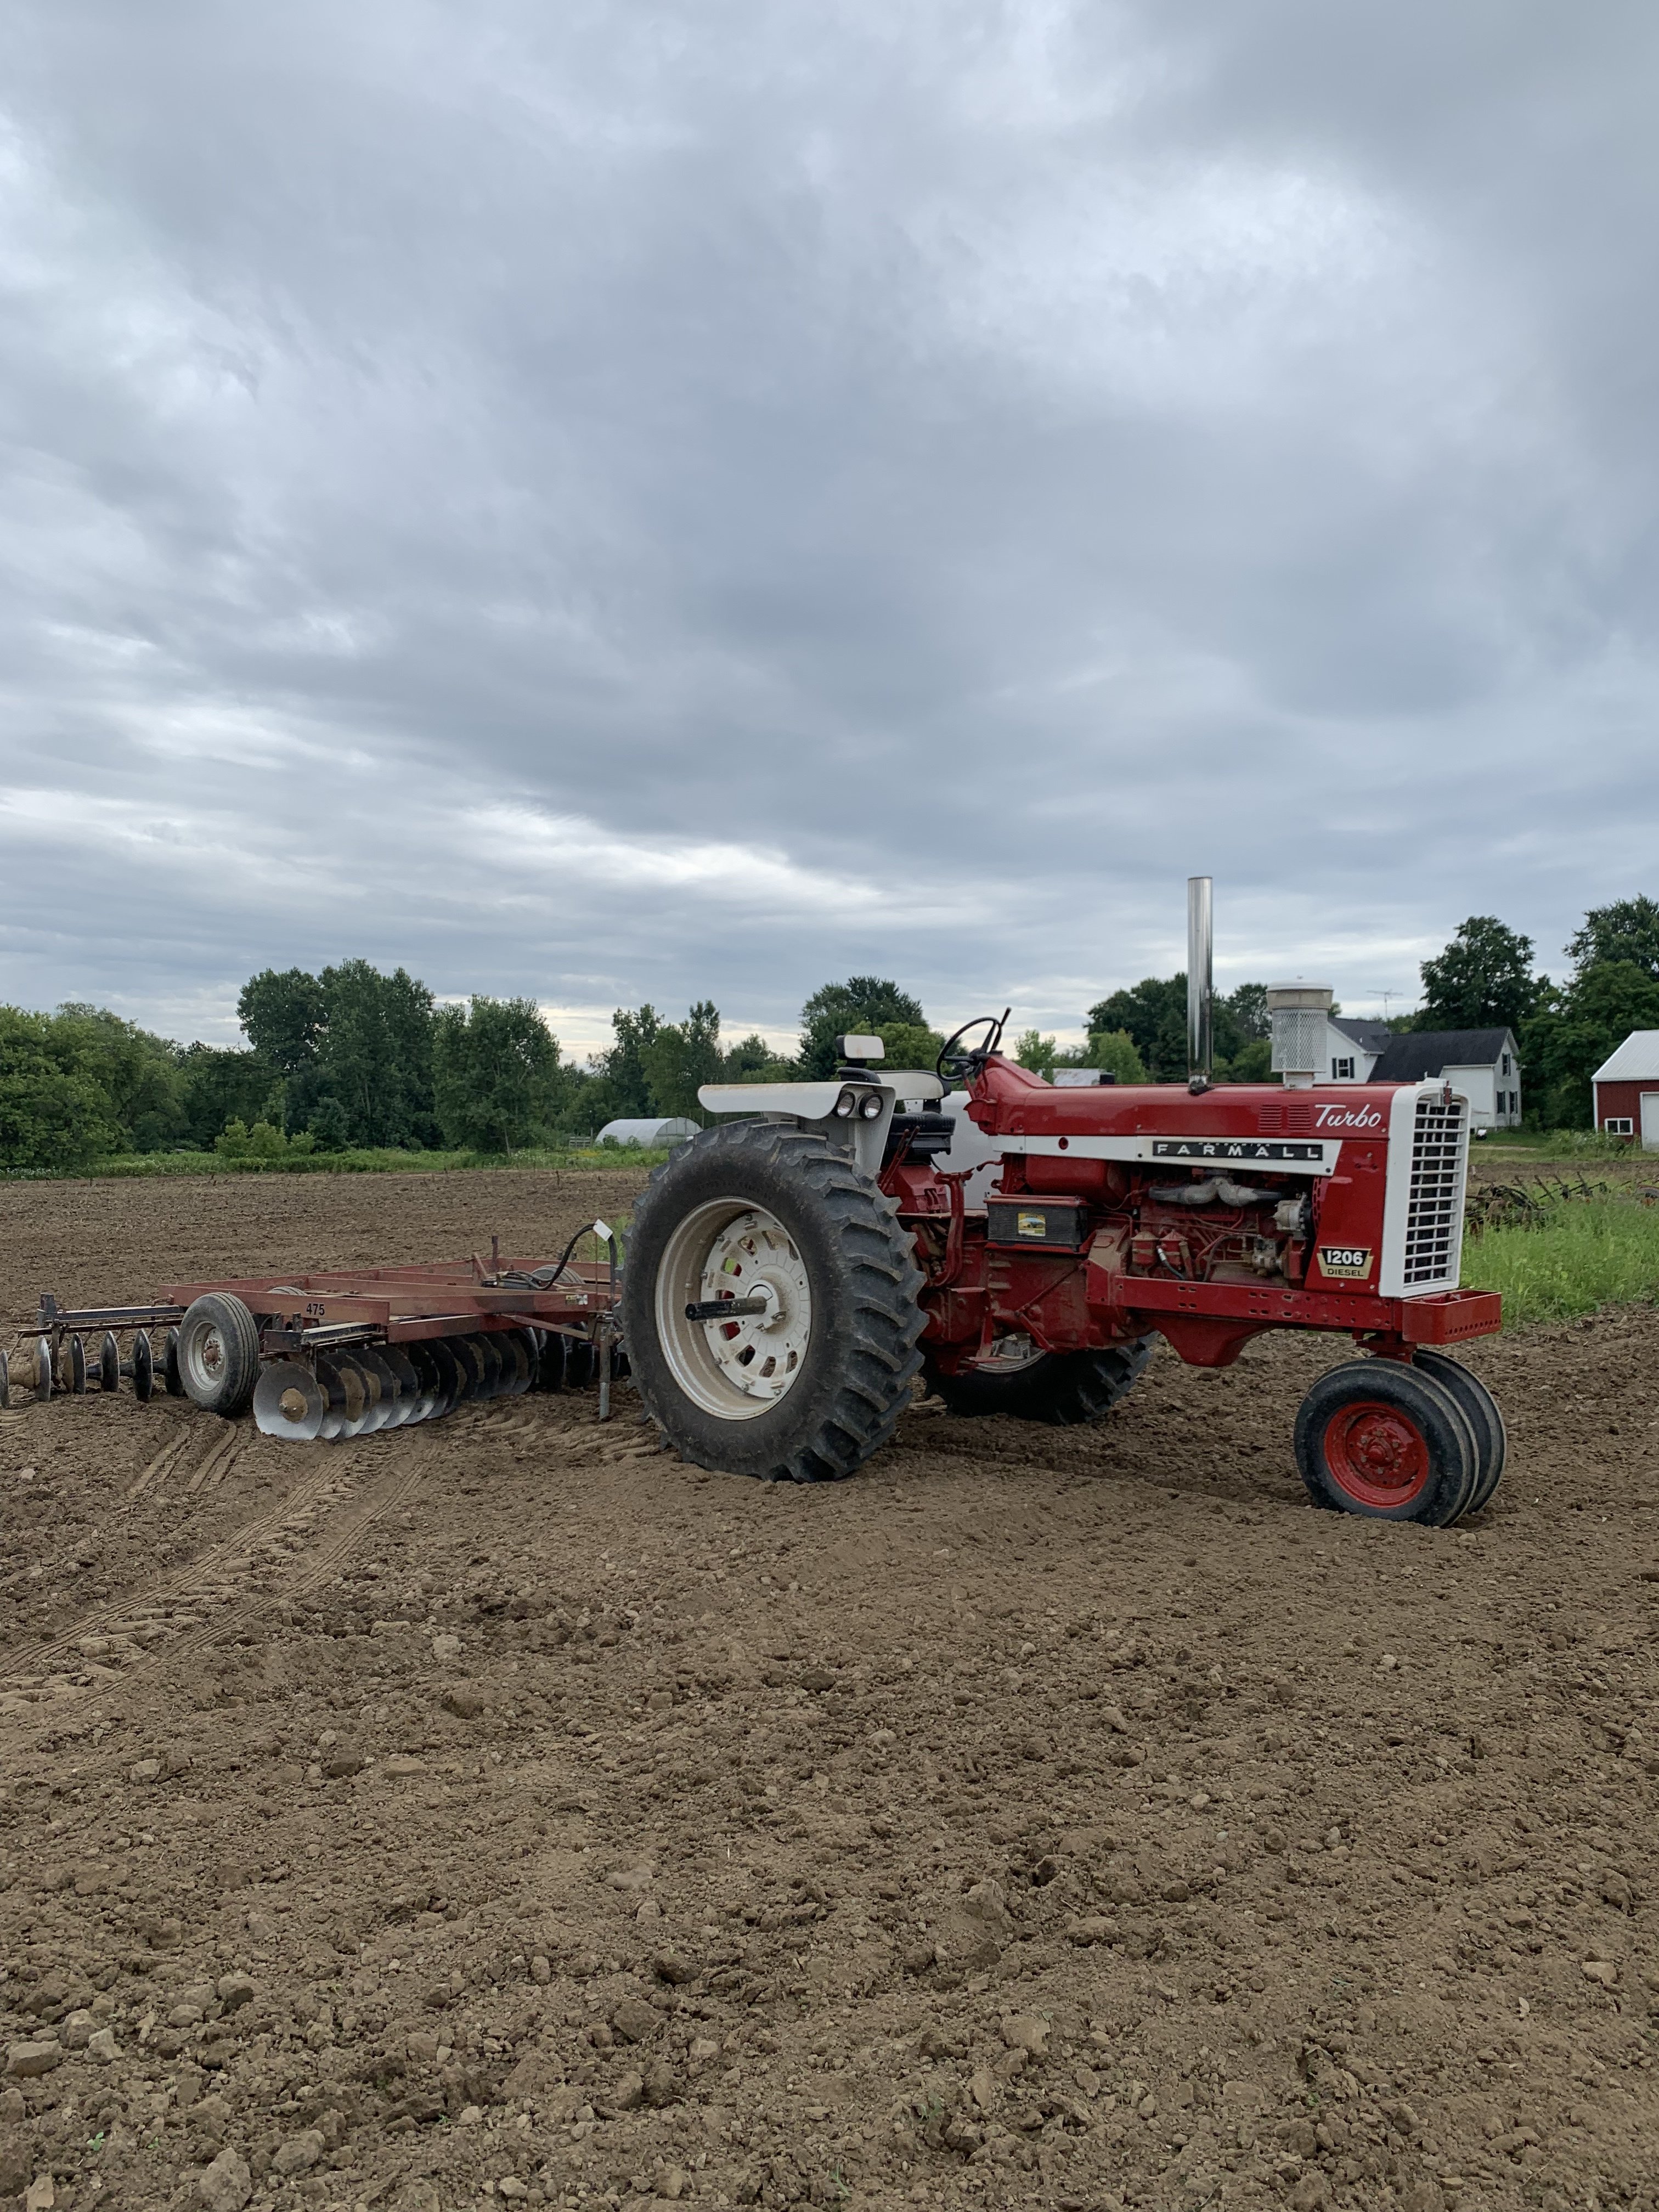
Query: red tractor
x,y
789,1275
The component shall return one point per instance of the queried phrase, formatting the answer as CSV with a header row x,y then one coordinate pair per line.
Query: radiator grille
x,y
1434,1206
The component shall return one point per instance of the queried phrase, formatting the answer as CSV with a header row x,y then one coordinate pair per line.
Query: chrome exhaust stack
x,y
1200,983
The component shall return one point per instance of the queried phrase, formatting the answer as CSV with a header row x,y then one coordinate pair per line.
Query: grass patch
x,y
611,1157
1575,1259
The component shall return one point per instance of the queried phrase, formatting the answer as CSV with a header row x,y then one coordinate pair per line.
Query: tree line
x,y
354,1058
1487,977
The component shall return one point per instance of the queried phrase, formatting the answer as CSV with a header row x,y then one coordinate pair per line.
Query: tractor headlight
x,y
847,1105
871,1109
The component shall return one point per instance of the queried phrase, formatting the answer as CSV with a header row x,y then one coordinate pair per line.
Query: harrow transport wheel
x,y
218,1354
1065,1388
143,1368
1480,1409
808,1388
1377,1437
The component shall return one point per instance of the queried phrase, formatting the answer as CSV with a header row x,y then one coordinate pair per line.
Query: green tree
x,y
679,1058
751,1060
909,1044
1035,1051
54,1114
220,1086
375,1053
1628,929
1252,1063
283,1017
1484,977
622,1091
1115,1053
1152,1014
1567,1039
496,1066
1247,1008
328,1126
138,1073
860,1007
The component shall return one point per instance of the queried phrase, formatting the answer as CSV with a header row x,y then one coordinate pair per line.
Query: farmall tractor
x,y
1023,1246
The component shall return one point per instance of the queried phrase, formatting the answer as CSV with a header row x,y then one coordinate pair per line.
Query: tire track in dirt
x,y
196,1582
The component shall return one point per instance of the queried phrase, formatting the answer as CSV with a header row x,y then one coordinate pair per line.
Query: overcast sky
x,y
617,502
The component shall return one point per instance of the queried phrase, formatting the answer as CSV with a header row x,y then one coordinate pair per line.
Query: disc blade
x,y
411,1390
143,1368
42,1368
445,1367
287,1402
469,1361
373,1360
361,1414
109,1362
492,1366
332,1386
78,1366
549,1366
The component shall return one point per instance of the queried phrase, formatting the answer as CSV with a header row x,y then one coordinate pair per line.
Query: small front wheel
x,y
1377,1437
218,1354
1480,1410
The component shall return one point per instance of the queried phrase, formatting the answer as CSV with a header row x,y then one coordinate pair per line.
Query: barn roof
x,y
1637,1060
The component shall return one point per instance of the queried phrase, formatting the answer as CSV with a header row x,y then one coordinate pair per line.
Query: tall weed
x,y
1575,1258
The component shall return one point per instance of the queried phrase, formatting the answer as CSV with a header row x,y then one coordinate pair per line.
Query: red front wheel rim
x,y
1376,1456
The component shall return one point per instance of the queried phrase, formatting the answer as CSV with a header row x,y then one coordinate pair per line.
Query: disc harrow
x,y
319,1358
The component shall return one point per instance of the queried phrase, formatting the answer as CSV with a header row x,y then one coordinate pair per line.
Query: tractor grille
x,y
1434,1204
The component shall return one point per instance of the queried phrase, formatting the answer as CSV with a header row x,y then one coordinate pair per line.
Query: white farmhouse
x,y
1483,1064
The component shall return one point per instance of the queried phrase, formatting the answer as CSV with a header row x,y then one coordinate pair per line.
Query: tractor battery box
x,y
1037,1225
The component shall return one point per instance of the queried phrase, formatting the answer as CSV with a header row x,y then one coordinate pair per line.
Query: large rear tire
x,y
1066,1389
1377,1437
807,1389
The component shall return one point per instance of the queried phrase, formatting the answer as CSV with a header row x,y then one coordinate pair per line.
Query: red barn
x,y
1627,1088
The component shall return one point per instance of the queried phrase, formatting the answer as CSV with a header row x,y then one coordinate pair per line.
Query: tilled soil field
x,y
499,1811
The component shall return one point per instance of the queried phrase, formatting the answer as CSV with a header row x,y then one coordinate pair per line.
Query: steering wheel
x,y
954,1067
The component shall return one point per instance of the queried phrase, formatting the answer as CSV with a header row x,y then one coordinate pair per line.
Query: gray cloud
x,y
615,504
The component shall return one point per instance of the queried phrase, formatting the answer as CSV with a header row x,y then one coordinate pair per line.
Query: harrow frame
x,y
301,1315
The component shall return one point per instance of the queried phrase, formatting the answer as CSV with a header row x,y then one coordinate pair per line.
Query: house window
x,y
1342,1070
1620,1125
1506,1063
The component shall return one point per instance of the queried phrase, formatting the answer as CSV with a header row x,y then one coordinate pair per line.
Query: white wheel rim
x,y
202,1354
731,1249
